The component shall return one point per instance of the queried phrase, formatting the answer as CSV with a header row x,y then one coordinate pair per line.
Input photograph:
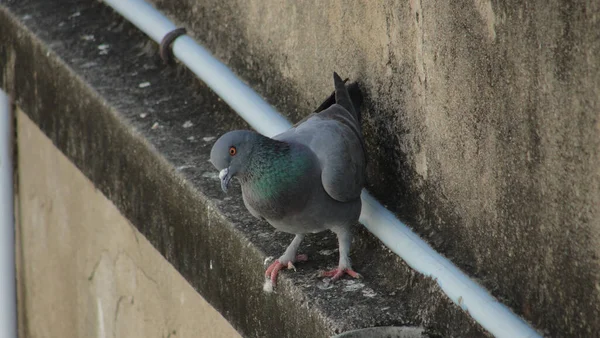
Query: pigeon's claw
x,y
273,269
337,273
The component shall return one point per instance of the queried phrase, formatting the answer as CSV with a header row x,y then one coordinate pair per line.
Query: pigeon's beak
x,y
225,179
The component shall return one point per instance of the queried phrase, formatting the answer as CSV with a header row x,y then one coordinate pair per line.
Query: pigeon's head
x,y
230,154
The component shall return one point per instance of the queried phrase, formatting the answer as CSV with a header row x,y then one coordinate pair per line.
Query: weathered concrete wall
x,y
482,125
84,270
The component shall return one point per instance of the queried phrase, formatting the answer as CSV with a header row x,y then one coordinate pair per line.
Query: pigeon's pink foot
x,y
336,274
273,269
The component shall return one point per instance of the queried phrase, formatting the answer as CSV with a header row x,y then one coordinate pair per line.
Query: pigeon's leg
x,y
345,239
288,259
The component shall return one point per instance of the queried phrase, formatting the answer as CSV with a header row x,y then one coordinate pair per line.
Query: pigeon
x,y
307,179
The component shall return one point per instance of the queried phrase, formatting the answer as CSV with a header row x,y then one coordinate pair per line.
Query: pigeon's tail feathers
x,y
330,101
342,97
357,99
355,96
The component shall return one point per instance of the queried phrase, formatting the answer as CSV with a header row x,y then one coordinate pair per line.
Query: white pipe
x,y
8,294
471,297
215,74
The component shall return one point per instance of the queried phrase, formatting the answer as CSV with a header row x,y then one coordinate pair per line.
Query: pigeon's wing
x,y
334,135
339,149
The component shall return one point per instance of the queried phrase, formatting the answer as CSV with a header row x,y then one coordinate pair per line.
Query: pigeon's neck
x,y
274,168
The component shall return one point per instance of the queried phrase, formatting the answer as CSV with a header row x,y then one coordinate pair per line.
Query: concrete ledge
x,y
80,73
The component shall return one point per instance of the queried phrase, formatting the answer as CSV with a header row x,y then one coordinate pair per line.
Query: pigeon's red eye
x,y
232,151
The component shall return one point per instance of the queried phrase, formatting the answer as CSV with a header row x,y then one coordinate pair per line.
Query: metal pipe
x,y
8,294
471,297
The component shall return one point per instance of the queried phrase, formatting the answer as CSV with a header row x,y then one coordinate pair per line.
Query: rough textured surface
x,y
142,133
482,125
84,270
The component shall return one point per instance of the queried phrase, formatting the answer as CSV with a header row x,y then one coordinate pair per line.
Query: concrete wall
x,y
482,125
86,271
482,128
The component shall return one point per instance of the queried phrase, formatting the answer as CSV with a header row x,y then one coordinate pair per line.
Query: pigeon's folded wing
x,y
336,140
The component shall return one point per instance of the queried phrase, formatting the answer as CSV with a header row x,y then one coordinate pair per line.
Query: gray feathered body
x,y
309,178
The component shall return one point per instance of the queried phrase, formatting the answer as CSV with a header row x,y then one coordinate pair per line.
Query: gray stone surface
x,y
482,122
383,331
81,74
